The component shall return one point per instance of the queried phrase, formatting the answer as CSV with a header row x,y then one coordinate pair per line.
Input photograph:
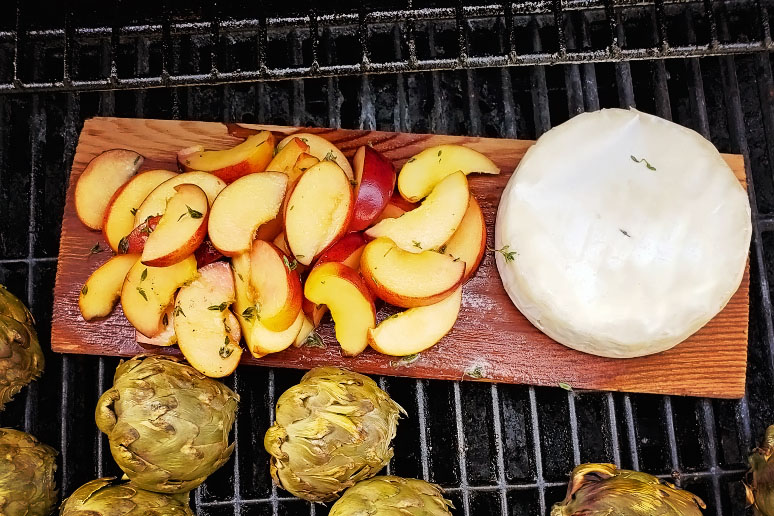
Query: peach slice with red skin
x,y
167,337
287,156
119,215
156,202
431,224
305,162
346,250
148,291
318,210
205,326
409,279
396,207
375,178
100,180
259,339
416,329
181,229
342,290
322,149
134,242
423,172
102,290
249,157
242,207
276,284
306,329
206,254
468,243
313,312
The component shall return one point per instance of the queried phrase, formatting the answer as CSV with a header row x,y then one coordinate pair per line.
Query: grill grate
x,y
496,449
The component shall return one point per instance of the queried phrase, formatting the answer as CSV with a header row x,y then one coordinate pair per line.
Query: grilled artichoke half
x,y
21,359
605,490
167,423
388,496
108,497
760,479
332,430
26,475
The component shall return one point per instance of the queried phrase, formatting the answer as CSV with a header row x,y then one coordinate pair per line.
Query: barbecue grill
x,y
508,70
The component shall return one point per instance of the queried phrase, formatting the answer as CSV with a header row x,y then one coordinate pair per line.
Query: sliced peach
x,y
396,207
259,339
101,291
277,286
318,210
306,329
269,230
305,162
287,155
416,329
468,243
346,250
167,337
250,156
434,222
342,290
205,326
421,173
375,178
134,242
181,229
409,279
100,180
148,291
156,202
242,207
206,254
322,149
119,215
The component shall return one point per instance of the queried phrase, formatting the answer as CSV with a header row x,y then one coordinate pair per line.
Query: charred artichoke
x,y
332,430
388,495
167,423
26,475
21,359
760,479
605,490
108,497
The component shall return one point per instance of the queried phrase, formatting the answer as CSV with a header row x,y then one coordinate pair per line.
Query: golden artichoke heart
x,y
21,359
605,490
26,475
167,423
760,479
108,497
332,430
392,496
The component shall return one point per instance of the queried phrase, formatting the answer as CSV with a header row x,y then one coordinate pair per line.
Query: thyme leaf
x,y
405,360
506,252
178,311
96,249
219,307
123,245
313,340
142,293
566,386
643,160
290,265
85,290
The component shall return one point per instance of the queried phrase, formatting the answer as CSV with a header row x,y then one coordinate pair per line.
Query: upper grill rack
x,y
604,24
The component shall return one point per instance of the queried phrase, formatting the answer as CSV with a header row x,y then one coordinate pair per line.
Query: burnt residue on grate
x,y
448,68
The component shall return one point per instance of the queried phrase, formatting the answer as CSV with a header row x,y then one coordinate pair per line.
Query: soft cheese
x,y
630,233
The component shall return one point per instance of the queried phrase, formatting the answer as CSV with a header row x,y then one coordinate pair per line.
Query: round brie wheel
x,y
621,234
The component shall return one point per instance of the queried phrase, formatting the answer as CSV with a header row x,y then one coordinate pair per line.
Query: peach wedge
x,y
322,149
421,173
260,340
286,156
102,178
148,291
167,336
409,279
250,156
468,243
342,290
431,224
207,332
101,291
375,178
242,207
277,286
181,229
317,211
416,329
119,215
156,202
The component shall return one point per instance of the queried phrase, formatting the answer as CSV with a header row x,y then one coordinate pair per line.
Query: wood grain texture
x,y
491,336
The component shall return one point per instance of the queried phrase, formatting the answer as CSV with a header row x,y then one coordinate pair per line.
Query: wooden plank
x,y
490,337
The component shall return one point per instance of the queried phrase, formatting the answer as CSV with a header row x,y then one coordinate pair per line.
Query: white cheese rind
x,y
614,258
